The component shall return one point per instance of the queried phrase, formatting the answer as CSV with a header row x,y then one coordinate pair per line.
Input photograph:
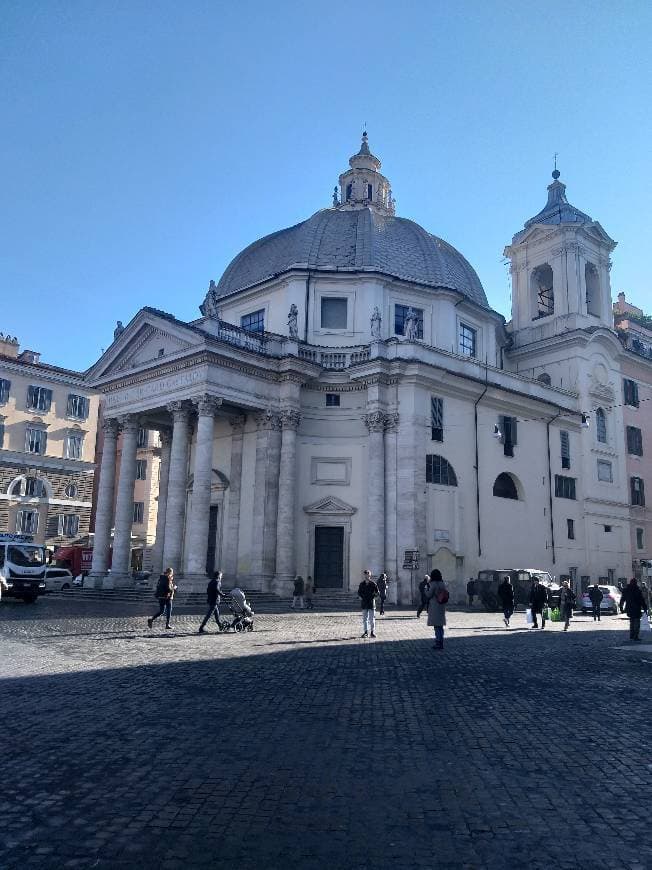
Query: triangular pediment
x,y
330,505
146,340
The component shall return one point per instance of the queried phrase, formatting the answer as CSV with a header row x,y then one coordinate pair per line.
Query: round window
x,y
71,490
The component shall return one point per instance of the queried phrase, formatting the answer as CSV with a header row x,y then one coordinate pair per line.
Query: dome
x,y
368,239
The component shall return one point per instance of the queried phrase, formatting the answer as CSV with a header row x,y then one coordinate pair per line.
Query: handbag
x,y
528,616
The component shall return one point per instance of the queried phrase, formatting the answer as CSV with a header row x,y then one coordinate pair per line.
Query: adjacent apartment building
x,y
48,429
635,332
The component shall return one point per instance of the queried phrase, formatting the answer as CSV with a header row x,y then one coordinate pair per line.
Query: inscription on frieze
x,y
154,388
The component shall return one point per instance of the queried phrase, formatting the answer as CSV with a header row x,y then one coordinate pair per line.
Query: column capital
x,y
128,423
110,427
391,421
238,423
290,419
179,410
375,421
206,404
268,420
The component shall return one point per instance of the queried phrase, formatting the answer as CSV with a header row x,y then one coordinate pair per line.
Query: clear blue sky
x,y
145,143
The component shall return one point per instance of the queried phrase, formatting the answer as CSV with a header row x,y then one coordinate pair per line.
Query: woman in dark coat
x,y
633,603
566,603
506,595
435,591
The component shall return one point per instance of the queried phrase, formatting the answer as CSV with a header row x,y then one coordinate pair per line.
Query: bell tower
x,y
362,185
560,271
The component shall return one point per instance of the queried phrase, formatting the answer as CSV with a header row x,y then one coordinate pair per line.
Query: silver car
x,y
58,580
610,600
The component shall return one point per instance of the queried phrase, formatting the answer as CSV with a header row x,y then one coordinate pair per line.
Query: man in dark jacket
x,y
164,593
470,590
213,595
506,596
422,592
538,602
368,591
633,603
596,596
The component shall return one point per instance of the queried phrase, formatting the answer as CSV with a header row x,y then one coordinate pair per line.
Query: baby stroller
x,y
243,615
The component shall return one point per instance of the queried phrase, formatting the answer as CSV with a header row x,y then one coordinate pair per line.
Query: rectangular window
x,y
254,322
437,418
634,441
35,440
630,389
33,487
2,434
467,340
68,525
74,445
5,386
607,529
333,312
141,469
77,407
564,440
637,488
332,400
507,426
142,438
570,529
605,471
564,486
39,398
400,313
139,511
640,543
27,522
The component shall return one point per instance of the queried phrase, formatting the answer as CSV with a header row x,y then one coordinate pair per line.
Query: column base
x,y
119,581
283,585
191,583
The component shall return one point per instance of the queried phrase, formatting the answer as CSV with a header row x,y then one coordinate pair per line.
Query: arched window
x,y
504,486
601,426
541,287
592,282
28,486
439,470
349,191
544,378
370,191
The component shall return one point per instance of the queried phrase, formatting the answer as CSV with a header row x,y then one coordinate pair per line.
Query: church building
x,y
348,397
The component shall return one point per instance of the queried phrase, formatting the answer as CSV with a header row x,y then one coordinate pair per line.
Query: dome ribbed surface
x,y
359,240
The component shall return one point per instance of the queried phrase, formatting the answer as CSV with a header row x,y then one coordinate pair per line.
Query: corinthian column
x,y
268,443
124,503
177,481
104,508
235,489
162,501
375,423
201,487
391,555
287,481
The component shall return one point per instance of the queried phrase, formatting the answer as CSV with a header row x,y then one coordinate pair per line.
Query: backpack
x,y
162,587
442,596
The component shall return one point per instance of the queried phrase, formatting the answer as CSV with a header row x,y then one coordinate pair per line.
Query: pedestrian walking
x,y
309,588
383,585
367,591
297,595
422,592
213,595
596,596
437,596
165,590
566,603
634,605
506,597
470,590
538,602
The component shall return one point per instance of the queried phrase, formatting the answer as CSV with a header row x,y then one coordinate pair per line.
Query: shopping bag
x,y
555,615
528,616
645,622
545,613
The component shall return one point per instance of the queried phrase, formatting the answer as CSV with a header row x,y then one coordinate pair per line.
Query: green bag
x,y
555,615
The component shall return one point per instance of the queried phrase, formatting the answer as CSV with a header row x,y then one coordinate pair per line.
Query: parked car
x,y
610,600
58,580
486,586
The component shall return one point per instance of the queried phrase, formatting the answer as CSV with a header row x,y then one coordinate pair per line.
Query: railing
x,y
335,359
240,337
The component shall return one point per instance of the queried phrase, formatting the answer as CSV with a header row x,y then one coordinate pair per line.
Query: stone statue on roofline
x,y
376,321
411,325
119,329
293,328
209,306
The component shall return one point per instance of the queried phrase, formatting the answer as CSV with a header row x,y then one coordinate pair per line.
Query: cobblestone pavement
x,y
301,745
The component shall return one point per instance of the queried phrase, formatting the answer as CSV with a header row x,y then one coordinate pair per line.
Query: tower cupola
x,y
363,185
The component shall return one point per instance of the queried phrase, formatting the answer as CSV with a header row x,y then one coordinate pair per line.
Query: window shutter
x,y
47,399
2,434
85,407
31,397
514,430
44,441
70,406
4,390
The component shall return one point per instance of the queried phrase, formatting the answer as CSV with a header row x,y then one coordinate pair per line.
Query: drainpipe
x,y
477,466
305,325
552,525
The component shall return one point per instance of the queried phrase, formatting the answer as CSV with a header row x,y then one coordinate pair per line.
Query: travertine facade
x,y
348,394
48,427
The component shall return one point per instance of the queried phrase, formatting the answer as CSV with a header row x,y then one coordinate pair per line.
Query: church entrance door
x,y
329,557
212,540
